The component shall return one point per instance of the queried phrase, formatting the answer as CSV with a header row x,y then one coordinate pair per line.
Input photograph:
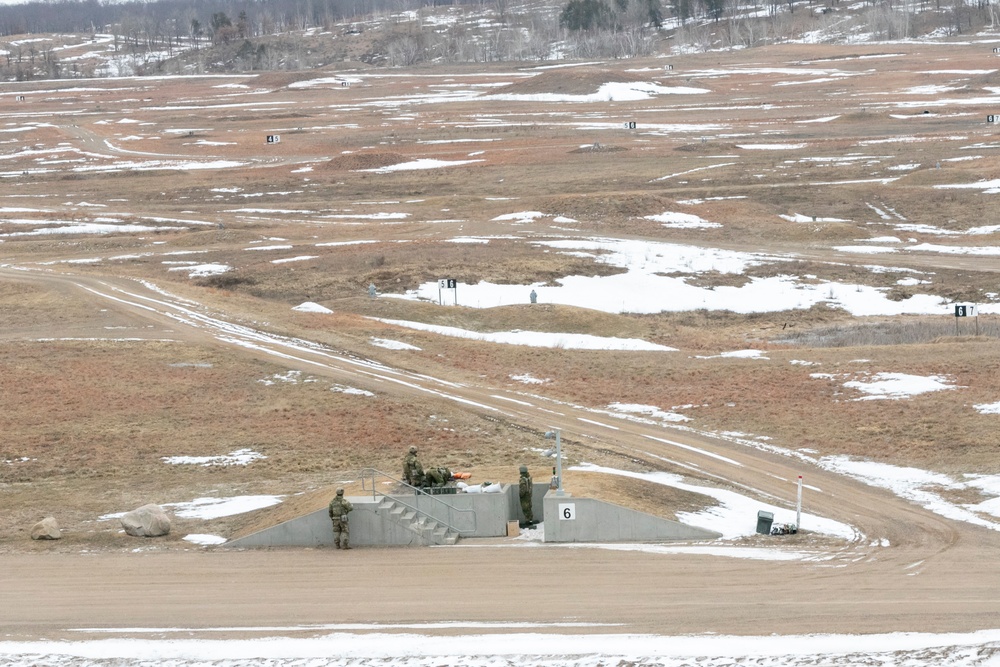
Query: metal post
x,y
559,489
798,508
557,434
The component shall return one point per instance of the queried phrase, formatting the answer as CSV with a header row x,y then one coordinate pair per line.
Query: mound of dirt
x,y
569,81
599,148
605,207
354,161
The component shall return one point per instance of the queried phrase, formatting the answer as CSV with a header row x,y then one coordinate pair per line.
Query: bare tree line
x,y
246,35
176,17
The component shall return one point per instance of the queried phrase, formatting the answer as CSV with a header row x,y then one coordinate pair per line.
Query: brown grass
x,y
93,417
575,81
358,161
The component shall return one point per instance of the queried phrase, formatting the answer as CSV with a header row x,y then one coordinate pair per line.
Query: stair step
x,y
432,530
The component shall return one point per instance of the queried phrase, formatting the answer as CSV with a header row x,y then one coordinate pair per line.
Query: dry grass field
x,y
145,179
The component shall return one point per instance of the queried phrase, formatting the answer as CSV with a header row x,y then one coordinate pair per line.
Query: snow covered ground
x,y
500,645
654,280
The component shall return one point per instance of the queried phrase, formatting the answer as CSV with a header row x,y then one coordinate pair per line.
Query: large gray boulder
x,y
46,529
146,521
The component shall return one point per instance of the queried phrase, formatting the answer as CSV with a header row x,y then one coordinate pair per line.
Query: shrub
x,y
226,281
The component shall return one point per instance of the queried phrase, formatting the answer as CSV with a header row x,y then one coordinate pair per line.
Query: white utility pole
x,y
557,434
798,508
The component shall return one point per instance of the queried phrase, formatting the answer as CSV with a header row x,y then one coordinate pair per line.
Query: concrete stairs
x,y
429,529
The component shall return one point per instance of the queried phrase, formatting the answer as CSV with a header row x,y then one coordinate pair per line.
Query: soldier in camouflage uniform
x,y
524,491
339,508
413,472
437,476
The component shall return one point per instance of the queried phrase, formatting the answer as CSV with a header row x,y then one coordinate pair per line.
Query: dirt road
x,y
632,592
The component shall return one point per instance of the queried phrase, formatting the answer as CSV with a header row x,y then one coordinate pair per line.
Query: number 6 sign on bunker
x,y
567,511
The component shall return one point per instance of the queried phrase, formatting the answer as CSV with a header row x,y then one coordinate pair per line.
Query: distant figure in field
x,y
413,472
533,296
340,507
524,489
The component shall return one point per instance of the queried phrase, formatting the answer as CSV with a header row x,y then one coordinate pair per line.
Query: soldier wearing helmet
x,y
437,477
525,487
413,472
339,508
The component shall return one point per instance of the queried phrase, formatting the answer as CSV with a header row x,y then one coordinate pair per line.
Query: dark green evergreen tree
x,y
586,15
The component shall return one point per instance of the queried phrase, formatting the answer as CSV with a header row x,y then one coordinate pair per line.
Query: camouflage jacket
x,y
524,486
438,476
412,470
339,507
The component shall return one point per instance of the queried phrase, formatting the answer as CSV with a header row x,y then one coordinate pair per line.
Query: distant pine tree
x,y
586,15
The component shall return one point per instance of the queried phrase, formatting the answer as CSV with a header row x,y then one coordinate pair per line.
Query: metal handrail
x,y
366,472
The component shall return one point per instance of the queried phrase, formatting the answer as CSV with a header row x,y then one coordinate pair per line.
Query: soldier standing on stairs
x,y
339,508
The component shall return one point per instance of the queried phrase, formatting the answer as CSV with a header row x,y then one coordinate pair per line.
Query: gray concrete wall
x,y
597,521
594,521
371,527
490,511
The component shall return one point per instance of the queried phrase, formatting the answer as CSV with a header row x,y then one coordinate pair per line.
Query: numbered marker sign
x,y
274,138
965,310
567,511
992,118
630,125
447,283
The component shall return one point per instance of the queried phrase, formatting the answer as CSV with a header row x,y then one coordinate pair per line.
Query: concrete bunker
x,y
408,517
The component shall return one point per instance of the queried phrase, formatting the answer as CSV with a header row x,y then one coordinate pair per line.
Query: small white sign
x,y
447,283
274,138
567,511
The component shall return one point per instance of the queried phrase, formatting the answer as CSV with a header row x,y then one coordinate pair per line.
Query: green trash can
x,y
764,521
